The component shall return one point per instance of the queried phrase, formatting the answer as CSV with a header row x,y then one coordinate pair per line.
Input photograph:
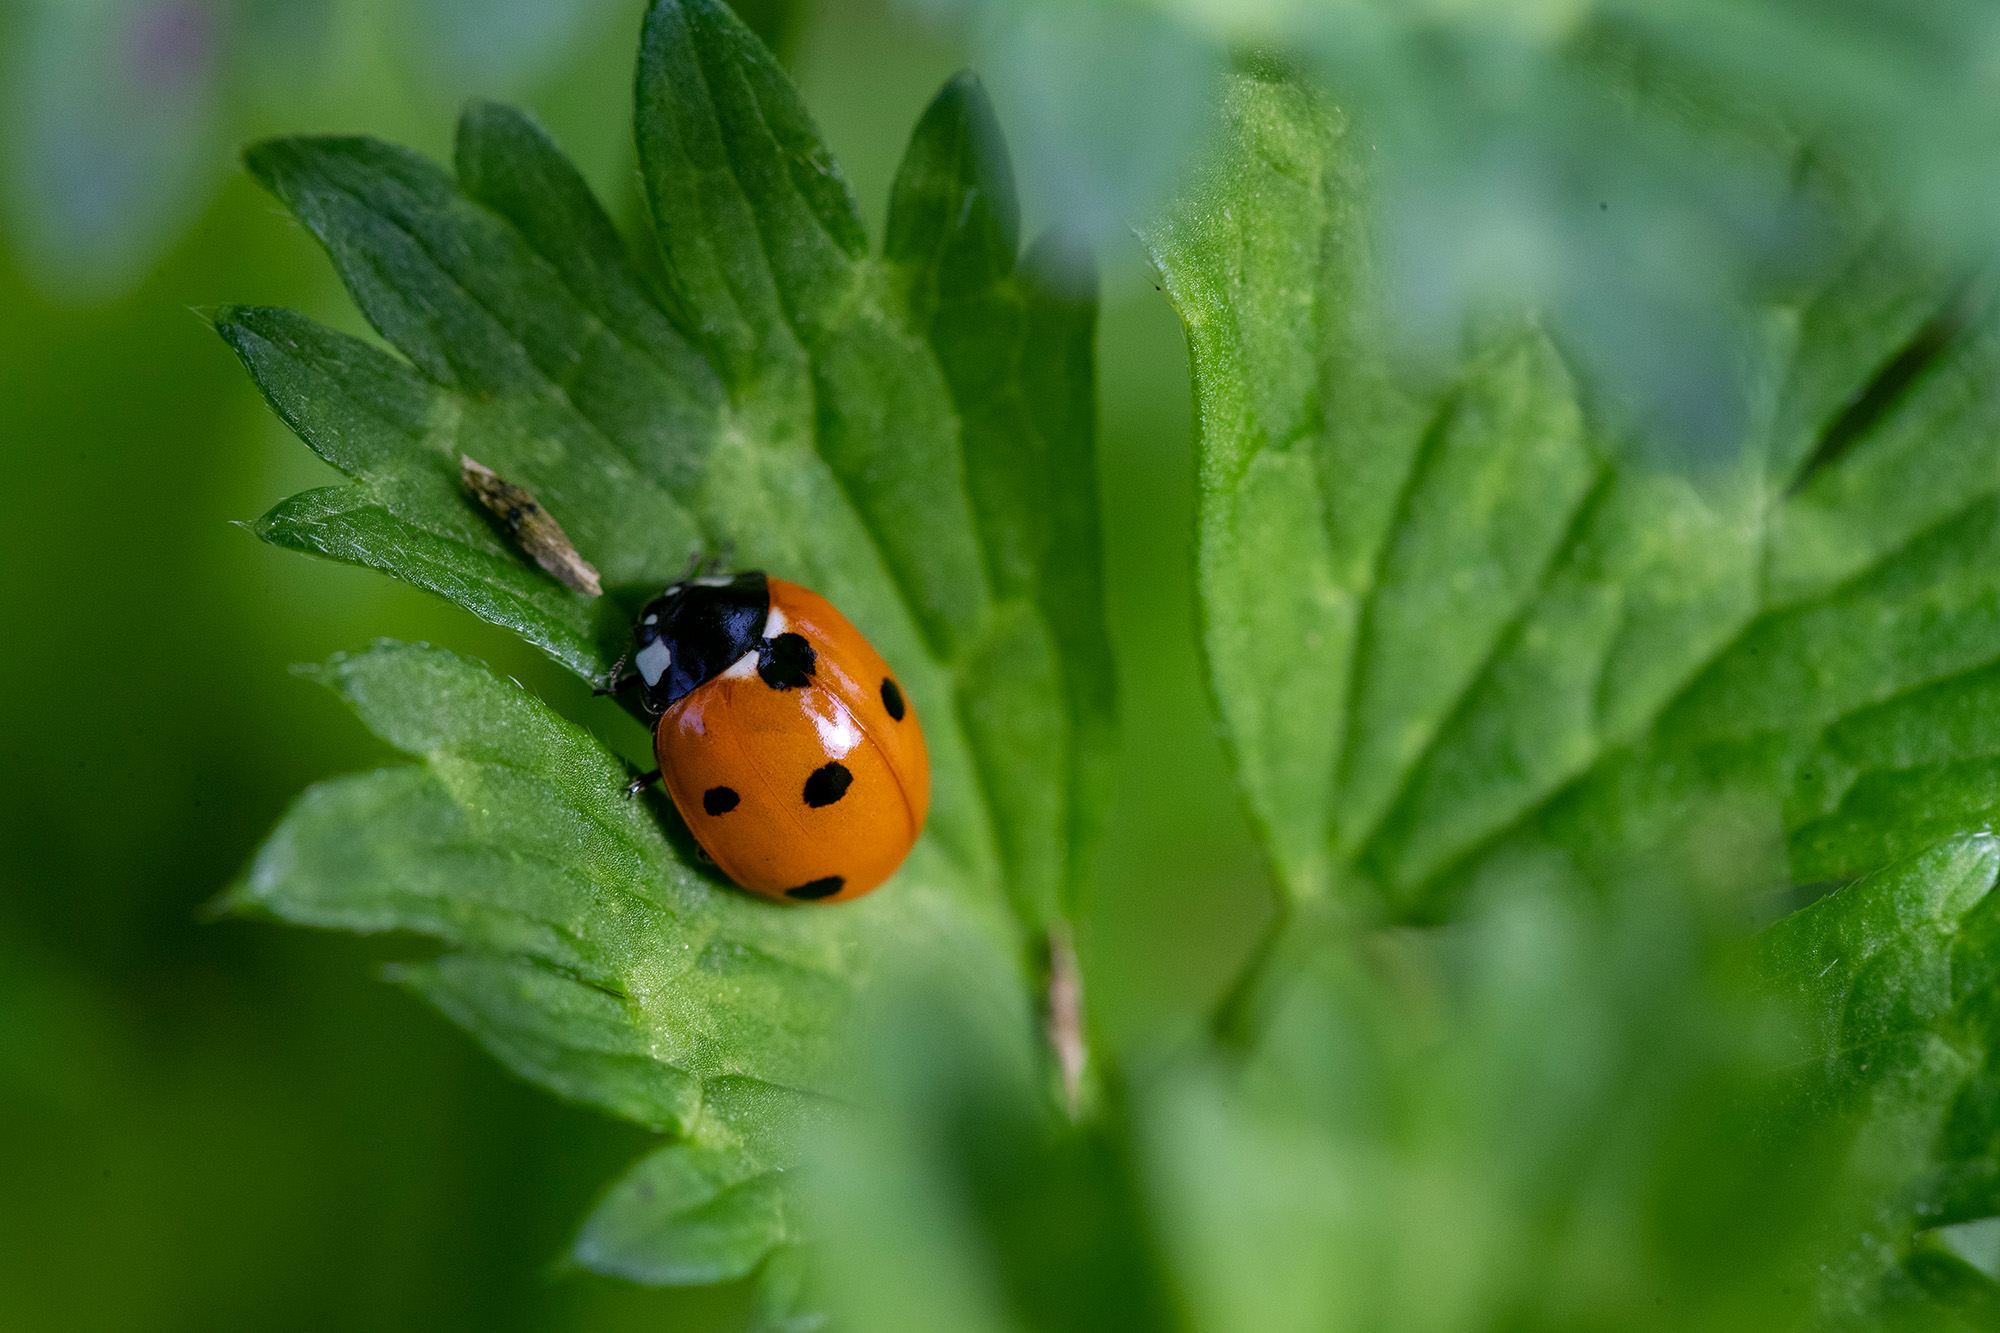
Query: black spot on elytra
x,y
786,662
892,699
819,888
719,800
828,783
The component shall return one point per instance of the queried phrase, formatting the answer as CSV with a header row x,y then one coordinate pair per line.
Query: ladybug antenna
x,y
615,682
723,556
694,566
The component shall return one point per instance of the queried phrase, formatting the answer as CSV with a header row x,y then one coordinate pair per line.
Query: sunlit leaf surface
x,y
909,435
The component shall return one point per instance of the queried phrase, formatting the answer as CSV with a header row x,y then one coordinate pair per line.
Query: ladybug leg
x,y
640,783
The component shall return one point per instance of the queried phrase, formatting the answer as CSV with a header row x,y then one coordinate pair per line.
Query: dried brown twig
x,y
1065,1016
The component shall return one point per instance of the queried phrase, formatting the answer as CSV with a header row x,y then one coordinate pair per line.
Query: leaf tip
x,y
271,526
237,900
480,110
956,180
231,323
262,160
488,133
965,91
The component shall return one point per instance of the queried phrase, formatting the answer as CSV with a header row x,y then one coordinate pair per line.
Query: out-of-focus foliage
x,y
1478,667
1552,1115
120,116
1526,658
1629,167
1496,631
1567,1110
965,1198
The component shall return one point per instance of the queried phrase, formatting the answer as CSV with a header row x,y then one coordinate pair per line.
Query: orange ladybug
x,y
782,736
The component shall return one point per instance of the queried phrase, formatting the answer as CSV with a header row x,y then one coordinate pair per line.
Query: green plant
x,y
1522,719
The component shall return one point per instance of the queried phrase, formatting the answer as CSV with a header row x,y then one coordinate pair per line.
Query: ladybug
x,y
782,736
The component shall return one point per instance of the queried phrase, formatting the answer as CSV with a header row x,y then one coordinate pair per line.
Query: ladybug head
x,y
696,630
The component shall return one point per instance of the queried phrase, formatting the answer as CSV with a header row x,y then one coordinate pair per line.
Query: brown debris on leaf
x,y
1065,1016
530,525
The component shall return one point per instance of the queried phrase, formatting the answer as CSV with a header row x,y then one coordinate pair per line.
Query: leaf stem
x,y
1296,932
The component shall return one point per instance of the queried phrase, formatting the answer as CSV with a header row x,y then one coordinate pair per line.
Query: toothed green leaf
x,y
911,435
1447,621
1898,972
1455,627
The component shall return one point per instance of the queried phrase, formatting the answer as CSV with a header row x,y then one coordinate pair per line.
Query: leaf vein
x,y
618,446
1575,526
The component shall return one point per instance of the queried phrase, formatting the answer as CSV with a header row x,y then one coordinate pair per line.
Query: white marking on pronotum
x,y
837,731
653,661
775,624
745,665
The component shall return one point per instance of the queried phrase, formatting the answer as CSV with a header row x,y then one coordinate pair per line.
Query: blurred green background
x,y
218,1125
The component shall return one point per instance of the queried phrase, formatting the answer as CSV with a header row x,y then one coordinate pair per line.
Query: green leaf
x,y
1455,628
1448,622
909,437
687,1215
1900,973
912,436
589,958
781,1304
1016,346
